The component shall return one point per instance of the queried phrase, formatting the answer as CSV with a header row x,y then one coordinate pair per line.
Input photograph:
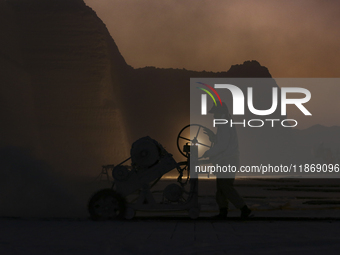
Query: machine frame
x,y
114,202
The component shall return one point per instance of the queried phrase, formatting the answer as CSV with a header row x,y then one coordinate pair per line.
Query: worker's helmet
x,y
219,109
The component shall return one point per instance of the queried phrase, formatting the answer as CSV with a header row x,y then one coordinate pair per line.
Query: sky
x,y
292,38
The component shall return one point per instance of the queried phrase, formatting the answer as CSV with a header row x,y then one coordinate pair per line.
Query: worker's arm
x,y
222,139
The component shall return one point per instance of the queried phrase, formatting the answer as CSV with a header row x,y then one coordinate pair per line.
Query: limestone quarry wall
x,y
59,91
71,99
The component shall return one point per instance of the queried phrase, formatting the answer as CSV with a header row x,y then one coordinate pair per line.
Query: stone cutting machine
x,y
132,184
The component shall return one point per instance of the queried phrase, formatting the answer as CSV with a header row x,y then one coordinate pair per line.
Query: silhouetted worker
x,y
225,152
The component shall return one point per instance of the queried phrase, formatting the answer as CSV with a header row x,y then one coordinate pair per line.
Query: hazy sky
x,y
293,38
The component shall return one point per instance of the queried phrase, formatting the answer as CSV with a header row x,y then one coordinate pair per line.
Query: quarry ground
x,y
156,236
291,217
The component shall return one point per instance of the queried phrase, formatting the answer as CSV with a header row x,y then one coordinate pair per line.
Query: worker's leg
x,y
225,183
222,204
221,200
226,191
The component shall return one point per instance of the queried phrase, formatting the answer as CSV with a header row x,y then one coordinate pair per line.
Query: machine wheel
x,y
194,213
106,204
129,213
186,136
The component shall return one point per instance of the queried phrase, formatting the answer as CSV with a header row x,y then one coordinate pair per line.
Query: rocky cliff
x,y
61,91
72,100
70,103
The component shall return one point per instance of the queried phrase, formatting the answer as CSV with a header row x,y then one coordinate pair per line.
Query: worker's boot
x,y
222,215
245,212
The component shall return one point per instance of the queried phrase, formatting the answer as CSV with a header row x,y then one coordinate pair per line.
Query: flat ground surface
x,y
291,217
176,236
